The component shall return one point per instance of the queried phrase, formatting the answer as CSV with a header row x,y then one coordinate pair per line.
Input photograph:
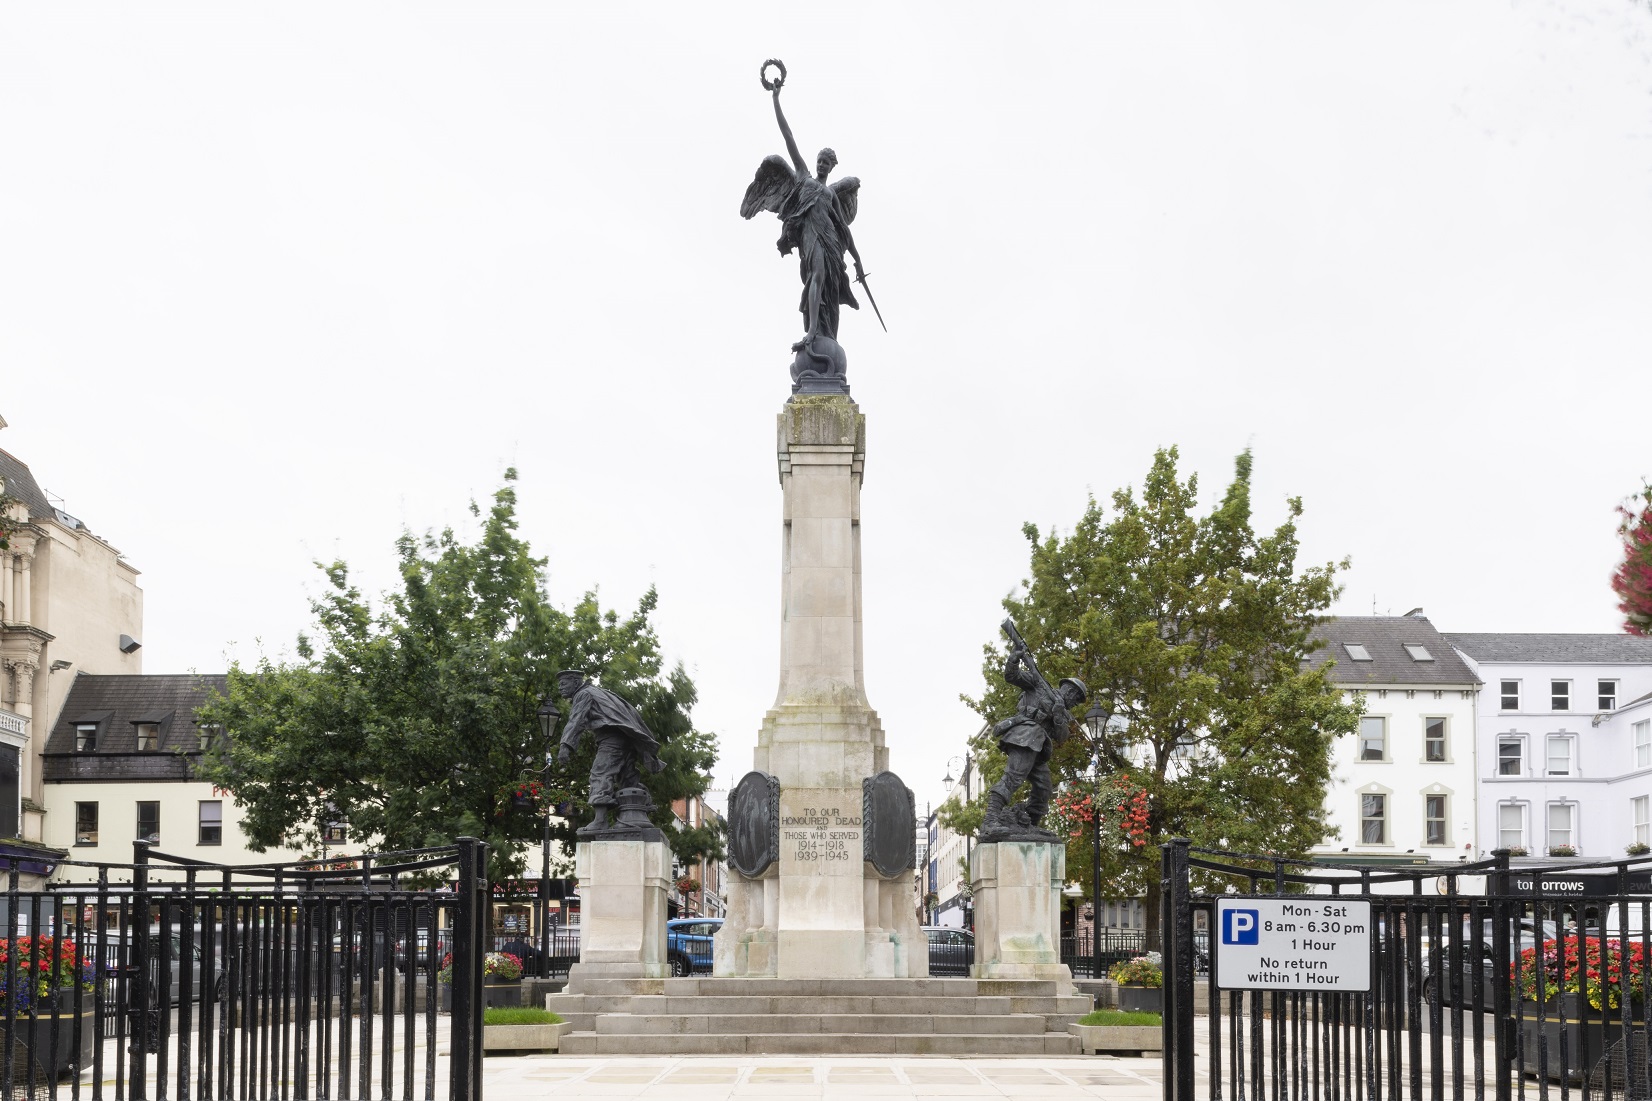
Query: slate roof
x,y
20,483
118,703
1556,649
1385,639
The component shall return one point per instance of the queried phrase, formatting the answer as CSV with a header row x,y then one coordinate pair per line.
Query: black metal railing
x,y
1473,980
172,978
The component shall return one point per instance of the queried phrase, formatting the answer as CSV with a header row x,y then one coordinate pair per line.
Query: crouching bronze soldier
x,y
623,742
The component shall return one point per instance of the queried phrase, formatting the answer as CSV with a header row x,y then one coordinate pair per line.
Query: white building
x,y
1565,741
1404,786
948,853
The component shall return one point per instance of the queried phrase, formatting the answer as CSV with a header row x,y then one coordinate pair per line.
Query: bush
x,y
1637,848
525,1015
1562,850
1145,971
1119,1017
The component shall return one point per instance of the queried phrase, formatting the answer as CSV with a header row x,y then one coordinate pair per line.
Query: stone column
x,y
5,587
821,911
1017,890
20,589
622,889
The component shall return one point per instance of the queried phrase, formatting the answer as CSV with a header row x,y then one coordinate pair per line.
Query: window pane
x,y
1511,824
1560,824
1435,814
1373,738
148,737
1372,820
1511,695
1509,757
1643,744
1608,692
1434,739
1560,755
1641,815
86,737
86,823
212,822
149,822
1560,695
10,802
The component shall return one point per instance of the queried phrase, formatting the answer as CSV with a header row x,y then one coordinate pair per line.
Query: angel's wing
x,y
769,188
847,191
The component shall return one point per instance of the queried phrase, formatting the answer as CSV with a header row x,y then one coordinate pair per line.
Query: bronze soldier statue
x,y
1041,721
623,741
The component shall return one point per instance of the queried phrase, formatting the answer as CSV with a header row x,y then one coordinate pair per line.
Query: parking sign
x,y
1306,942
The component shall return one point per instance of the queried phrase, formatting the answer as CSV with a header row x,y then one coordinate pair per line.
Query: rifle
x,y
1019,643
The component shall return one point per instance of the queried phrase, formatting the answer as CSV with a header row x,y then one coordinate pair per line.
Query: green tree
x,y
1192,633
415,724
1632,580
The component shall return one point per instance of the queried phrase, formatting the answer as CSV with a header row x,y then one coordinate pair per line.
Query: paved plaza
x,y
711,1078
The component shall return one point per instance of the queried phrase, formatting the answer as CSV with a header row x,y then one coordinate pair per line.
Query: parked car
x,y
951,950
688,944
1475,959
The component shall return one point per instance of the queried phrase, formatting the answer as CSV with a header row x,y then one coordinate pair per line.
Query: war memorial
x,y
821,950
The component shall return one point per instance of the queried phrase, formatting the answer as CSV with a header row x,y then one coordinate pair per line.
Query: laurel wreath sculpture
x,y
777,82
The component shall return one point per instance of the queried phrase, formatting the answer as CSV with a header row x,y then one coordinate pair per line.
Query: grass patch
x,y
507,1015
1120,1017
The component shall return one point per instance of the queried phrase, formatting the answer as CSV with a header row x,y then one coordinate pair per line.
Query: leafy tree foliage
x,y
415,724
1191,633
1632,581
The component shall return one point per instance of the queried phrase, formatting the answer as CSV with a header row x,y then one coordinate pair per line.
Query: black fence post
x,y
1176,948
1503,913
466,1023
139,981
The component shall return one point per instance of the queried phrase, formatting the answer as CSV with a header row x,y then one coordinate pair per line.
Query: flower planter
x,y
1093,1039
57,1058
1574,1034
1141,999
516,1038
505,993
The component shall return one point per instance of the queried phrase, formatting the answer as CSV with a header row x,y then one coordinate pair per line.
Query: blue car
x,y
688,944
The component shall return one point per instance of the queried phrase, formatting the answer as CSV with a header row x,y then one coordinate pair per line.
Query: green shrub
x,y
1145,971
1119,1017
511,1015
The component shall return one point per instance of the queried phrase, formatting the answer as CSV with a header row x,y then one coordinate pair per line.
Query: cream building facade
x,y
69,604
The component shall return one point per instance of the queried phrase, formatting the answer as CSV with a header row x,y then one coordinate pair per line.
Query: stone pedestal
x,y
821,911
622,891
1017,887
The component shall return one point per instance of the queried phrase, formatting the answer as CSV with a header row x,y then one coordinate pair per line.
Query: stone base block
x,y
1017,887
622,886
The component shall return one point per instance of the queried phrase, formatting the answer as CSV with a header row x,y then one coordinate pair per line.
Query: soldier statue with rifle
x,y
1042,720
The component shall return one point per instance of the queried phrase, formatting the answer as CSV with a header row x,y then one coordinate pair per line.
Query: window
x,y
1560,824
149,737
11,806
1434,820
1560,755
1640,817
1418,653
1560,695
212,822
149,823
1511,826
86,823
1356,651
1373,820
209,735
1434,739
1643,743
1511,695
1373,738
1511,753
332,833
86,737
1607,691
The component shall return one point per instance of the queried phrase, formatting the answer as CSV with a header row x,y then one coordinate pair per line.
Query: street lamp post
x,y
1095,724
548,714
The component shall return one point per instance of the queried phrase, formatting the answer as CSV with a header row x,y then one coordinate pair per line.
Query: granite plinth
x,y
1017,891
622,888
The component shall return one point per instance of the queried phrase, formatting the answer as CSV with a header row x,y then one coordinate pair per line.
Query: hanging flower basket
x,y
527,794
688,885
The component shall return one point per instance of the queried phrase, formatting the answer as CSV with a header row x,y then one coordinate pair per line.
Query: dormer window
x,y
210,733
86,737
1418,653
1356,651
149,737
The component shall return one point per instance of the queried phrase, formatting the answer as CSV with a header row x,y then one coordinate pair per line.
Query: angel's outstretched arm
x,y
786,132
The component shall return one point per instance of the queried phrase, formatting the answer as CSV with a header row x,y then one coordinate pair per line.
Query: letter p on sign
x,y
1240,927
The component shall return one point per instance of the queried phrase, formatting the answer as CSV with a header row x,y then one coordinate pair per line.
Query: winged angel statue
x,y
815,218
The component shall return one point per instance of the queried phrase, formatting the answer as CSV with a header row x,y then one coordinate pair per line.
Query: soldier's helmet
x,y
1083,692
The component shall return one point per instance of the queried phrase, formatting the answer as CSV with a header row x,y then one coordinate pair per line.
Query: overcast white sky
x,y
277,281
